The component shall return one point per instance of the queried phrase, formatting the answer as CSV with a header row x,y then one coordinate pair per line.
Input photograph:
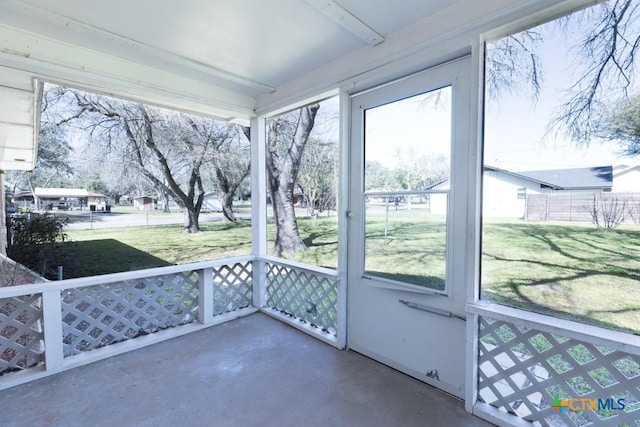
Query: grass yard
x,y
566,270
412,251
570,271
123,249
114,250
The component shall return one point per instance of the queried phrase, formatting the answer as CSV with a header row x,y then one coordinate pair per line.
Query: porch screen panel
x,y
561,225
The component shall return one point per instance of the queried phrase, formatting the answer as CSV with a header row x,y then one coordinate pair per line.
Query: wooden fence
x,y
579,206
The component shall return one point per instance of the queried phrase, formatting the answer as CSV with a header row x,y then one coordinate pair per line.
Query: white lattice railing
x,y
100,315
21,336
308,294
557,374
52,326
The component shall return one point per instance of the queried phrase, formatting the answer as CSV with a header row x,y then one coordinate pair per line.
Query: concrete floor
x,y
253,371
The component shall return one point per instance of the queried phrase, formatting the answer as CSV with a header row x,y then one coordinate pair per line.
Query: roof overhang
x,y
19,127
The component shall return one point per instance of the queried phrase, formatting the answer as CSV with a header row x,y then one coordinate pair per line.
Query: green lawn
x,y
412,250
124,249
567,270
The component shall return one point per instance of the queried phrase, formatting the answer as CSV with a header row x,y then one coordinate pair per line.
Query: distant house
x,y
626,179
23,199
505,192
144,203
67,199
96,199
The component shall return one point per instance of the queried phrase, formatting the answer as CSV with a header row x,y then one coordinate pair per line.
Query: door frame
x,y
461,209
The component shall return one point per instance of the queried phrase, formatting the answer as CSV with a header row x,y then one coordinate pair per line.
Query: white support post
x,y
343,211
205,296
474,211
259,283
258,208
52,319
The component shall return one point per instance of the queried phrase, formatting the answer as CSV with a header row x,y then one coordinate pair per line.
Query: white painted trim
x,y
420,46
100,73
347,20
343,220
258,187
299,265
471,356
302,326
154,338
474,215
22,377
308,99
205,296
167,98
616,340
13,291
52,326
71,362
382,282
259,278
536,18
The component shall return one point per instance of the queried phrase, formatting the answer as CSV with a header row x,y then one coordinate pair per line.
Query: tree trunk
x,y
191,218
282,174
165,202
288,241
226,200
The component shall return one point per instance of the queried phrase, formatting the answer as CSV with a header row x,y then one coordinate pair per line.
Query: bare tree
x,y
608,50
287,137
633,210
513,60
153,143
317,177
230,161
608,212
610,38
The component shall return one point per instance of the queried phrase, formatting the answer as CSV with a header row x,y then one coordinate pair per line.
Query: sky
x,y
418,124
516,124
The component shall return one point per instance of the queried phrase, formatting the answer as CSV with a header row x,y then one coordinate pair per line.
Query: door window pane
x,y
407,151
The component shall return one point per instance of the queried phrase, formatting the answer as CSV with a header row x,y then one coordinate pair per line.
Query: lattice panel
x,y
305,295
521,371
21,336
96,316
232,288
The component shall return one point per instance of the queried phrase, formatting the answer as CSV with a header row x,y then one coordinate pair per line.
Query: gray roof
x,y
597,177
594,178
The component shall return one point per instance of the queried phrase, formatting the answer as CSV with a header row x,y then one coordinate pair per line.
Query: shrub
x,y
36,241
608,212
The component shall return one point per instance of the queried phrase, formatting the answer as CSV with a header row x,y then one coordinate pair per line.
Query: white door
x,y
408,212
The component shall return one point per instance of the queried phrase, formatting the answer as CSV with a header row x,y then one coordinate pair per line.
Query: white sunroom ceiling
x,y
249,47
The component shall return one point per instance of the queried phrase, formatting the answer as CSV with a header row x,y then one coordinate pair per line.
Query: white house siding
x,y
627,181
500,194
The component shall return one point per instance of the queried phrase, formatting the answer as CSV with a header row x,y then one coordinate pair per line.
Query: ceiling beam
x,y
347,20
